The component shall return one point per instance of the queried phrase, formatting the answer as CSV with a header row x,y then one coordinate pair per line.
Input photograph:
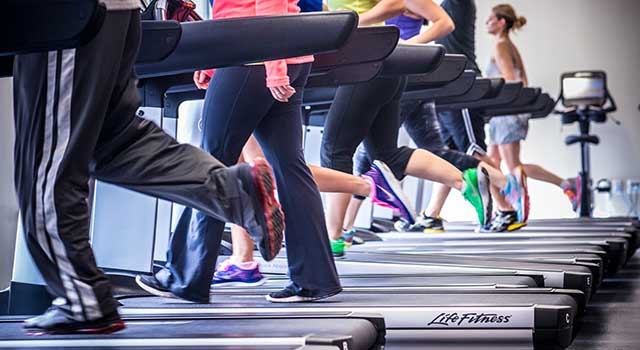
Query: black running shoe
x,y
152,286
57,320
266,227
504,221
294,294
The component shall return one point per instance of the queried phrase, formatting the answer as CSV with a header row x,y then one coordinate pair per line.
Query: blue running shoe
x,y
243,275
388,192
517,193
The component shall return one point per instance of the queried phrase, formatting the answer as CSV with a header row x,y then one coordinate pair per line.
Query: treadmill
x,y
394,304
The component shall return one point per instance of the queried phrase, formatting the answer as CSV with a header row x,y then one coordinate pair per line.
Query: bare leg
x,y
492,156
329,180
425,165
439,195
352,212
337,206
510,153
242,245
539,173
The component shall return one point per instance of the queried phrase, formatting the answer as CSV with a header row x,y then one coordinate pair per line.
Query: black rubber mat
x,y
612,320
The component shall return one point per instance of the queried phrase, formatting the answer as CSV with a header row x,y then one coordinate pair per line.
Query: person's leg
x,y
516,191
61,101
537,172
312,271
348,121
493,153
424,128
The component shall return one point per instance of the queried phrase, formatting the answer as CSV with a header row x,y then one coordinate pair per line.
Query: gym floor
x,y
612,321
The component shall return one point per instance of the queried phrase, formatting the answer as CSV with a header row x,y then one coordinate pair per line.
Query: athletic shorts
x,y
463,130
508,129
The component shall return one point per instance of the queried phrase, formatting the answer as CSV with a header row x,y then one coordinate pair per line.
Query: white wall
x,y
8,205
572,35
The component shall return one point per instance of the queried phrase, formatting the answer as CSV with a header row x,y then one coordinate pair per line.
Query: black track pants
x,y
75,119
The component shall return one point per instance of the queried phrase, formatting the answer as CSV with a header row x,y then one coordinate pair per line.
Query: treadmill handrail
x,y
507,95
159,40
37,26
206,44
479,90
413,59
451,68
457,87
370,44
539,104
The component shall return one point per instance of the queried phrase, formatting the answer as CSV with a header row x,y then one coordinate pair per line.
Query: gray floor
x,y
612,321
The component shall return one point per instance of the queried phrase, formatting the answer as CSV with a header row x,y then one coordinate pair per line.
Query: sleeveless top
x,y
409,26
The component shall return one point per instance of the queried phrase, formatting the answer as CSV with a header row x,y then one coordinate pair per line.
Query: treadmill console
x,y
581,89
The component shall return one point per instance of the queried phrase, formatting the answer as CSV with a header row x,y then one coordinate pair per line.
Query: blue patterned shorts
x,y
508,129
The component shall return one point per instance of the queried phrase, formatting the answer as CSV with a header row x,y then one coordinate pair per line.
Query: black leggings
x,y
368,112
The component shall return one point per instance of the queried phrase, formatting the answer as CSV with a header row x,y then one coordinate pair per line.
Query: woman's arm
x,y
276,70
504,60
441,25
384,10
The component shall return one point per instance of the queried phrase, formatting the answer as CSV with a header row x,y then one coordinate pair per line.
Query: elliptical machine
x,y
586,99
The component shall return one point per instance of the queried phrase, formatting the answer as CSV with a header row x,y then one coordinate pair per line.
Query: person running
x,y
266,100
369,113
75,118
420,121
241,269
506,133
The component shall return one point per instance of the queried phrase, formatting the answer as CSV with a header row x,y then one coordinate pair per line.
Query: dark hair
x,y
506,12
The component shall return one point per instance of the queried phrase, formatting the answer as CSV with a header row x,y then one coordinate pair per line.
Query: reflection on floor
x,y
612,321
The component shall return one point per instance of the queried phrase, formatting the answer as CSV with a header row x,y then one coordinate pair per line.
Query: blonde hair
x,y
506,12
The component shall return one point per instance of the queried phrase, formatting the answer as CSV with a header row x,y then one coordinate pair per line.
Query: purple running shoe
x,y
388,192
230,274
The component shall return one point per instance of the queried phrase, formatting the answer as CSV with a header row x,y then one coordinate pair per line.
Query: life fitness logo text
x,y
456,319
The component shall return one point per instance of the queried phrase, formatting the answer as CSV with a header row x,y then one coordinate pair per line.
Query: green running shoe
x,y
337,247
476,191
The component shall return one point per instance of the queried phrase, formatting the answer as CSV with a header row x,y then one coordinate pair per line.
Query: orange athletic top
x,y
276,70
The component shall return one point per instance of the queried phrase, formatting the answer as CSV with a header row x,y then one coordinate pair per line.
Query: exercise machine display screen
x,y
584,90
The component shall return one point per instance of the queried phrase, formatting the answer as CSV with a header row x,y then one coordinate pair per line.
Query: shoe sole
x,y
391,181
522,178
300,299
156,292
433,230
240,284
484,185
107,329
516,226
271,242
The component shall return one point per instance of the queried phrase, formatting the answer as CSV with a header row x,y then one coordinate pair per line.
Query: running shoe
x,y
387,191
230,274
57,320
348,237
337,247
476,191
151,285
424,224
572,189
294,294
517,193
266,227
504,221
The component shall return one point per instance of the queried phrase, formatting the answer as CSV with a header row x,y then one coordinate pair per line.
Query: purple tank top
x,y
409,27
